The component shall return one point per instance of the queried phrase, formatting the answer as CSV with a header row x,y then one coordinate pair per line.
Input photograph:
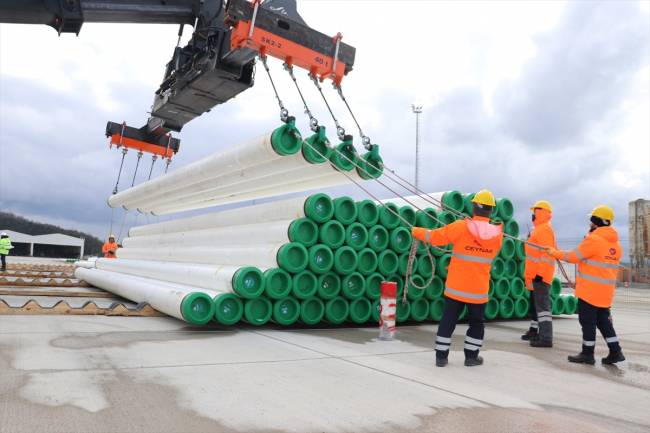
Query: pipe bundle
x,y
276,163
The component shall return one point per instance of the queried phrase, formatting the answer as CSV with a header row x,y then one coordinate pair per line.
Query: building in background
x,y
55,245
639,227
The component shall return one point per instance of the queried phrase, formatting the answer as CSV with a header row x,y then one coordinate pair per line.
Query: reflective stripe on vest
x,y
478,296
532,259
472,258
601,264
596,279
427,236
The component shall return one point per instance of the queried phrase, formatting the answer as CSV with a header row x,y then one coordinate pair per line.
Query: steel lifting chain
x,y
284,113
153,161
365,140
313,122
135,172
340,131
119,173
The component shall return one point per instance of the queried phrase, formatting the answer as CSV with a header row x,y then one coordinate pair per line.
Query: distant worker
x,y
475,244
5,246
540,269
598,257
110,247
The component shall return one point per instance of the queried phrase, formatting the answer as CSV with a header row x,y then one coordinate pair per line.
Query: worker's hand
x,y
550,251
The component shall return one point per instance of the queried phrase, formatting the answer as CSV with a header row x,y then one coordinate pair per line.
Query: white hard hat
x,y
4,234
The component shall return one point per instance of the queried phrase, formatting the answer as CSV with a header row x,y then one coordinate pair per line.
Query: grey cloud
x,y
581,73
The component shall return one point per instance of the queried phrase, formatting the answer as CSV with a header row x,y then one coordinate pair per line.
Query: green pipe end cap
x,y
360,310
321,259
521,308
506,308
248,282
419,309
337,310
401,239
436,308
258,311
517,288
427,218
415,292
319,207
434,289
378,238
303,231
407,213
373,286
305,285
371,166
315,148
277,283
312,311
510,270
505,209
197,308
492,309
453,200
446,217
388,215
507,248
498,268
286,311
367,213
344,156
345,210
511,228
293,257
329,285
332,234
353,286
387,262
356,236
502,288
367,261
403,311
228,309
442,265
286,140
345,260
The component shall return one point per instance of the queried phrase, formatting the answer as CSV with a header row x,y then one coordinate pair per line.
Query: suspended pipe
x,y
284,140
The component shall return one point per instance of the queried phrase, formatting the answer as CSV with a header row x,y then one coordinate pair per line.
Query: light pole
x,y
417,110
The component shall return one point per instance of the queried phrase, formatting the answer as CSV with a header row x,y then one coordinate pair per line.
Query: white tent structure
x,y
53,239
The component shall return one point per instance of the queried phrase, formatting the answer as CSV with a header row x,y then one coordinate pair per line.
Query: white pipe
x,y
271,173
260,256
274,232
216,278
432,200
328,180
165,297
231,160
289,209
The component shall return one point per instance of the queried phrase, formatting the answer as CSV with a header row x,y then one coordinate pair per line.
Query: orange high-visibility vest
x,y
537,262
474,248
109,249
598,257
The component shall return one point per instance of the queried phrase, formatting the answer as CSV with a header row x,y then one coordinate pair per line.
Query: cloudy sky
x,y
530,99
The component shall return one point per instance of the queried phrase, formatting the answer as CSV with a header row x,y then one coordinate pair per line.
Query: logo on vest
x,y
478,249
612,251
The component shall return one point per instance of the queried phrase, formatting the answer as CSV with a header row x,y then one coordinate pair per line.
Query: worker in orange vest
x,y
540,269
598,257
475,244
110,247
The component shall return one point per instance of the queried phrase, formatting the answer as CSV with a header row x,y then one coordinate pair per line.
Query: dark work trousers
x,y
542,296
3,258
474,335
592,317
532,313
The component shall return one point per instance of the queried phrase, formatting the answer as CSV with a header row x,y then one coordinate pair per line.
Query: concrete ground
x,y
117,374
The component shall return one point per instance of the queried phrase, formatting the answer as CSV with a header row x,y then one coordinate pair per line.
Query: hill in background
x,y
9,221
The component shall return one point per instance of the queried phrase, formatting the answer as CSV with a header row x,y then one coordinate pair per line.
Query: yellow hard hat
x,y
484,197
542,204
603,212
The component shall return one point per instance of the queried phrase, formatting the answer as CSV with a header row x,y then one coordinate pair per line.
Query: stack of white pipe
x,y
431,200
249,171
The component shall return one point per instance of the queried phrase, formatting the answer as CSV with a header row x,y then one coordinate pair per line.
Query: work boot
x,y
473,362
441,362
583,358
537,342
613,358
530,334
